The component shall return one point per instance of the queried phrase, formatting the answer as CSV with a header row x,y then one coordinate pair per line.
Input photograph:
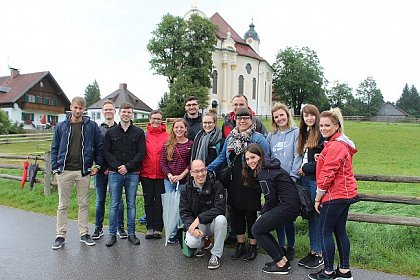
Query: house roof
x,y
396,108
22,83
120,96
240,44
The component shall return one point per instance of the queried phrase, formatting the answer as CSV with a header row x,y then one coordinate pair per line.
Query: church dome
x,y
194,11
251,33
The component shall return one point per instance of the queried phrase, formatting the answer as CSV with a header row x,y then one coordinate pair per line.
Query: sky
x,y
81,41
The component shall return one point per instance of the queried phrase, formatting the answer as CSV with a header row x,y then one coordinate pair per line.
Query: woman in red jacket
x,y
336,190
151,175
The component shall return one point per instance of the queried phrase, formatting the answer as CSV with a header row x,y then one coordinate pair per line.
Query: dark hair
x,y
126,105
153,112
191,98
243,111
241,95
308,136
248,174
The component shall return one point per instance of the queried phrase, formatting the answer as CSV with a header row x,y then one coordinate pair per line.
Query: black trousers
x,y
243,220
152,191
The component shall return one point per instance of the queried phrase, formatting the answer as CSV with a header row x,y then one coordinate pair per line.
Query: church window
x,y
254,88
214,86
248,68
241,85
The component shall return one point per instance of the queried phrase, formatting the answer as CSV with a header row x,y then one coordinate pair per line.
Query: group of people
x,y
317,155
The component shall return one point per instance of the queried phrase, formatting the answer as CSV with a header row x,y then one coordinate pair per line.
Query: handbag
x,y
307,210
225,175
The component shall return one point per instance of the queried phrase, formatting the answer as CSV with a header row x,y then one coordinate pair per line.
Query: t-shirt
x,y
74,155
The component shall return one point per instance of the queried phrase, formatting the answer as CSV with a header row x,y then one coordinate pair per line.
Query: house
x,y
34,99
238,68
390,113
121,95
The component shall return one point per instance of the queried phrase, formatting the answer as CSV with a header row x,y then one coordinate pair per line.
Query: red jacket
x,y
334,169
155,139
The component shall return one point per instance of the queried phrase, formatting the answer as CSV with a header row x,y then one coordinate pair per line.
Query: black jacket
x,y
310,167
206,205
124,147
278,187
194,125
104,129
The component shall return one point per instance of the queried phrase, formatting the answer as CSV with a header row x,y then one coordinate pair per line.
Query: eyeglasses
x,y
191,105
242,118
196,172
156,119
208,123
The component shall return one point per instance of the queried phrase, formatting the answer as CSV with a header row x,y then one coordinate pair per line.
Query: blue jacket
x,y
92,145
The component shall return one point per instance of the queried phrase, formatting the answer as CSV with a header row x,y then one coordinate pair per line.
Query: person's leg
x,y
313,224
169,187
343,241
218,229
148,193
252,252
101,182
116,182
281,236
328,222
240,227
158,190
121,214
65,182
82,184
131,182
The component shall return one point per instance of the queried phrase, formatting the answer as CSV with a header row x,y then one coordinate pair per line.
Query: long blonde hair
x,y
336,117
283,107
171,143
308,136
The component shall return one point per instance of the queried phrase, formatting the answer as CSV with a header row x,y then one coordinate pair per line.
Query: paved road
x,y
25,253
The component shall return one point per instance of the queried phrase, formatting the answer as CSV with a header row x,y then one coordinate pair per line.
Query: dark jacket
x,y
124,147
310,167
194,125
206,205
104,129
278,188
92,145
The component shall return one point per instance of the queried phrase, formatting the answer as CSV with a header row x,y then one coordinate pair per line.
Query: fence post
x,y
47,173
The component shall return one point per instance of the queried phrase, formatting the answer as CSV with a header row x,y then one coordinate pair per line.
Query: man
x,y
124,150
101,180
193,117
202,208
229,122
77,143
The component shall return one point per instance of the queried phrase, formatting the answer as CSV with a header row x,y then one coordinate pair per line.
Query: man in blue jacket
x,y
76,145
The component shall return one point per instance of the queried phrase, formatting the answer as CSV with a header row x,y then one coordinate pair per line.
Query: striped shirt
x,y
180,160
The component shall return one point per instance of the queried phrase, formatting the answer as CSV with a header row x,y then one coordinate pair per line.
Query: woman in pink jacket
x,y
336,190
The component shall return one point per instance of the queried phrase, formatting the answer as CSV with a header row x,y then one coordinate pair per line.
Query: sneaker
x,y
314,262
133,239
173,239
271,263
87,240
199,252
97,234
122,233
214,262
305,259
275,269
157,234
143,220
112,239
343,276
320,275
149,234
290,253
58,243
207,243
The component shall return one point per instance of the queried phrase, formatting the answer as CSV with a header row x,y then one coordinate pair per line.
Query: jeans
x,y
313,224
289,231
101,183
169,187
333,219
152,191
217,228
267,222
130,182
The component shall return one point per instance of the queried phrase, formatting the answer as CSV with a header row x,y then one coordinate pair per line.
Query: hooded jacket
x,y
156,137
334,169
194,125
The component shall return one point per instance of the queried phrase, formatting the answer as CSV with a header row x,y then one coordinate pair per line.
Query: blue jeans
x,y
169,187
333,219
290,231
130,182
101,182
313,224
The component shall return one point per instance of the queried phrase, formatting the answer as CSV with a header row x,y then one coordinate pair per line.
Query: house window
x,y
46,101
248,68
214,87
37,99
27,117
53,120
98,115
241,85
30,98
254,88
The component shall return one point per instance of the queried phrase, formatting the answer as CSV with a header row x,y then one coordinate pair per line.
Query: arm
x,y
220,160
164,161
260,139
55,146
270,197
297,159
113,163
219,207
134,163
98,146
185,212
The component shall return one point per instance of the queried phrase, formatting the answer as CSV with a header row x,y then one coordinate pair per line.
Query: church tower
x,y
251,37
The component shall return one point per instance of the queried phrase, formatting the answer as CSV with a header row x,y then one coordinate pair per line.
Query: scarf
x,y
203,141
239,140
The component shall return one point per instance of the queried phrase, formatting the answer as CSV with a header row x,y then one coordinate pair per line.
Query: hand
x,y
197,233
106,172
93,171
316,156
301,173
122,170
193,226
318,206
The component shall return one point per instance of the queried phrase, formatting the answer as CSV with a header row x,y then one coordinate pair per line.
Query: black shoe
x,y
112,239
133,239
199,252
271,263
305,259
58,243
97,234
122,233
275,269
87,240
343,276
173,239
314,262
321,275
251,253
239,251
290,253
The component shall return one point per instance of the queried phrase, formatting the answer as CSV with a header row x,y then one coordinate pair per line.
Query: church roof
x,y
251,33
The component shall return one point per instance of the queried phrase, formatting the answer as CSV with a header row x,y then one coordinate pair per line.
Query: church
x,y
238,68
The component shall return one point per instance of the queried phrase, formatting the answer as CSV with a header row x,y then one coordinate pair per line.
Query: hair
x,y
248,174
171,143
336,117
126,105
308,135
210,114
191,98
283,107
153,112
79,101
108,102
240,95
243,111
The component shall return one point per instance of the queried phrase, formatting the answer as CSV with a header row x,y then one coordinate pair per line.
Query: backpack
x,y
307,210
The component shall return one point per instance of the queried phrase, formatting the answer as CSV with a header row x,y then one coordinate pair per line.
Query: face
x,y
327,127
208,124
126,114
77,110
199,172
179,129
252,160
192,107
238,102
108,110
309,119
156,120
243,122
280,118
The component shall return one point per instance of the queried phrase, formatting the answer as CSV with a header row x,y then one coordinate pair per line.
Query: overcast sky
x,y
79,41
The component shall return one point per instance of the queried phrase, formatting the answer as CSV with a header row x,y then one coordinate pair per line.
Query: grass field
x,y
388,149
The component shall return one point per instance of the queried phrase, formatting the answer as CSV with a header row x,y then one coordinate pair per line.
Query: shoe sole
x,y
110,245
213,267
343,278
122,236
309,267
97,237
87,243
277,272
57,247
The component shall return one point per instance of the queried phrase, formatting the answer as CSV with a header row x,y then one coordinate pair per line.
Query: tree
x,y
4,122
340,95
299,78
92,93
182,52
409,101
370,96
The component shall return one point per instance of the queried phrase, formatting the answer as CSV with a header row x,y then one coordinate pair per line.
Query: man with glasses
x,y
202,210
192,116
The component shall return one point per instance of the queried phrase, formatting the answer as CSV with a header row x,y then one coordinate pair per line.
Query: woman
x,y
310,142
209,141
283,140
281,206
244,200
151,175
175,161
336,190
